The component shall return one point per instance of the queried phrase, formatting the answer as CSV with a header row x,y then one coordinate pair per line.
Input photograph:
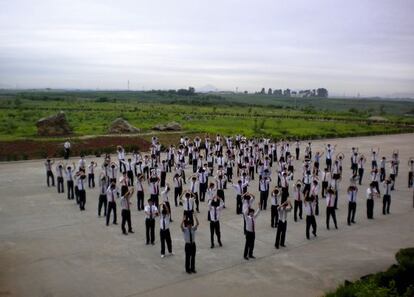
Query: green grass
x,y
90,113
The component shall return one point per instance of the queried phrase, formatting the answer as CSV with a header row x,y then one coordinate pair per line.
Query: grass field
x,y
90,113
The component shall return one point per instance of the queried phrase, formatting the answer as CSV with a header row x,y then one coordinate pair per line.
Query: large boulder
x,y
172,126
121,126
55,125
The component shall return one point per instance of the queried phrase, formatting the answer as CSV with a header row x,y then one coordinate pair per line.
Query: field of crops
x,y
90,113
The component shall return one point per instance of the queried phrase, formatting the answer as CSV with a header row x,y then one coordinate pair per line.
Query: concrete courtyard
x,y
49,248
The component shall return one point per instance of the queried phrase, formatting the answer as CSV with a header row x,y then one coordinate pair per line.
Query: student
x,y
165,236
283,210
163,173
91,174
165,201
202,181
154,189
297,149
81,178
129,169
410,172
352,197
361,163
188,204
123,182
178,188
264,192
113,172
371,194
329,152
326,180
314,193
189,232
220,180
59,177
274,214
310,206
49,172
298,204
239,192
192,187
111,194
386,200
140,192
250,220
382,169
330,207
215,207
103,201
151,211
126,211
69,181
66,148
121,158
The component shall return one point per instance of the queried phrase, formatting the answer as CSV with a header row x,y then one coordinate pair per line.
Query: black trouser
x,y
316,206
285,194
111,206
177,193
197,201
351,212
220,193
360,174
49,174
82,199
392,177
298,205
165,237
249,245
251,172
163,177
230,173
376,185
215,228
281,233
263,199
150,230
386,202
310,221
71,195
354,168
140,200
77,194
329,164
102,202
154,199
188,214
382,174
91,180
274,216
297,153
203,189
66,153
122,167
126,218
410,179
167,204
239,204
330,211
60,187
194,166
190,253
130,175
370,208
324,188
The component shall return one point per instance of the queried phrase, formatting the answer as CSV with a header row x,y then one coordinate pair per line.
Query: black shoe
x,y
130,231
314,234
246,258
188,271
252,257
194,271
282,245
115,223
276,246
353,222
152,243
212,246
336,227
125,233
220,243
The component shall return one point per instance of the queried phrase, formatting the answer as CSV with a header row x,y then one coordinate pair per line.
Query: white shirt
x,y
283,211
165,222
188,204
330,200
215,211
251,221
111,194
371,193
125,204
310,208
150,211
352,195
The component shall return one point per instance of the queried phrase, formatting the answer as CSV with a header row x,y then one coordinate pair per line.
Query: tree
x,y
191,90
269,92
263,91
322,92
286,93
278,92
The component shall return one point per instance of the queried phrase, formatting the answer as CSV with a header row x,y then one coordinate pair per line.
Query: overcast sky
x,y
349,47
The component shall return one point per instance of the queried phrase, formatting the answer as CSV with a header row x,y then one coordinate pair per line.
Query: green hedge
x,y
397,281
